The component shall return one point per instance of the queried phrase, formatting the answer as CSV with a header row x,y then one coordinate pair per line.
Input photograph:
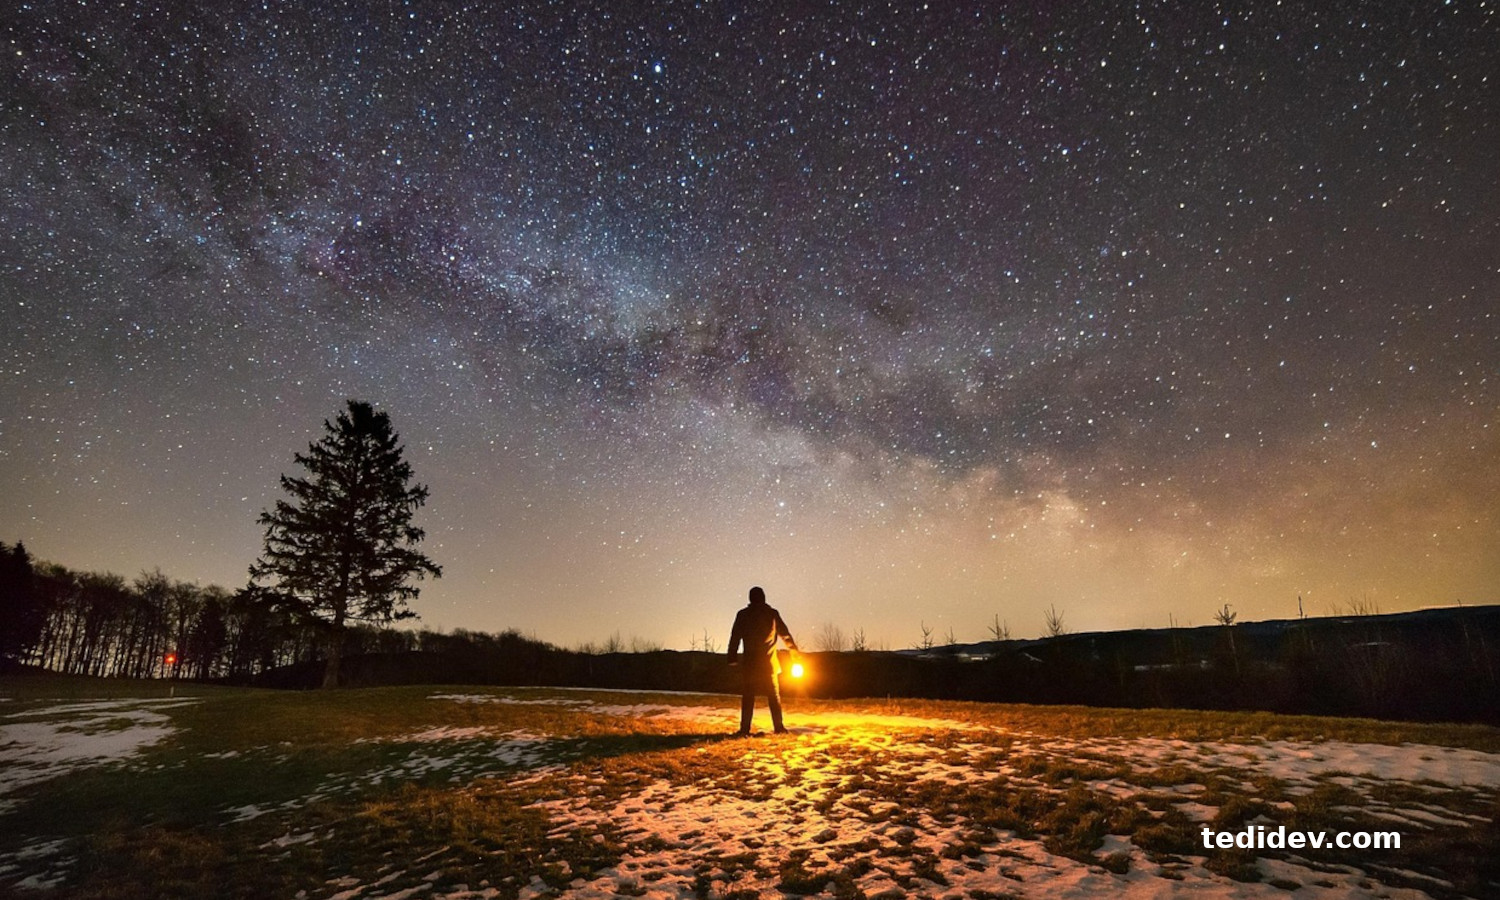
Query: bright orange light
x,y
171,659
796,670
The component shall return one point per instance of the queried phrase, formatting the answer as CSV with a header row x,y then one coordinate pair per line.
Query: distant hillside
x,y
1166,645
1429,665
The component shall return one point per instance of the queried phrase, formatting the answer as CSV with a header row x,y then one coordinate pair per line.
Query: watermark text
x,y
1260,837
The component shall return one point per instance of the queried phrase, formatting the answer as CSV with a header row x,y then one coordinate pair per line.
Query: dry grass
x,y
344,791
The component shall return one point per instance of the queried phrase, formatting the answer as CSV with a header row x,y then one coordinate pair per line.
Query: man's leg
x,y
773,700
747,702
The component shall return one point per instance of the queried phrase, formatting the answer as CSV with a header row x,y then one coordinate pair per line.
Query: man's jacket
x,y
759,625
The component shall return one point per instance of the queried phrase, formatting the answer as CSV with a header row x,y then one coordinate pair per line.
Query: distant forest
x,y
1430,665
87,623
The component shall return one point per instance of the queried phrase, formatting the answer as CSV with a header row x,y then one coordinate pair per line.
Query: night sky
x,y
913,314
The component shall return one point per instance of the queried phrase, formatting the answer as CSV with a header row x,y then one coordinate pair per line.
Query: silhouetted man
x,y
758,625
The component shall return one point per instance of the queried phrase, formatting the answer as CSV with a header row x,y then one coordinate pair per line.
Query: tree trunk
x,y
335,655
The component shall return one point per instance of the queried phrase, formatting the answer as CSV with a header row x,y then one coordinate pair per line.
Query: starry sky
x,y
915,314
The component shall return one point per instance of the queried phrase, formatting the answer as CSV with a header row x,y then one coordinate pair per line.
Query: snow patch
x,y
49,741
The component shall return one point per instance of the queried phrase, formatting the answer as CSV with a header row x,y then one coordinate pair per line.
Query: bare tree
x,y
1226,617
1000,630
829,636
644,645
1176,639
1055,626
926,642
858,644
1304,637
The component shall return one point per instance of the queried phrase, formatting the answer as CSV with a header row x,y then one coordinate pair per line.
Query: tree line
x,y
93,623
153,626
340,554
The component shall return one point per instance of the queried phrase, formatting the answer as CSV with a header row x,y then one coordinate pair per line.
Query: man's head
x,y
757,595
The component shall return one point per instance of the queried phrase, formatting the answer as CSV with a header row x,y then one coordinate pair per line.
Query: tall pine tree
x,y
342,549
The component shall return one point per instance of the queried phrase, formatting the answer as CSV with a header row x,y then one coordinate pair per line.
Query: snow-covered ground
x,y
678,838
51,741
828,810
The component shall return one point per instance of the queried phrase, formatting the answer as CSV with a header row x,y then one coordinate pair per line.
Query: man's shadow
x,y
605,746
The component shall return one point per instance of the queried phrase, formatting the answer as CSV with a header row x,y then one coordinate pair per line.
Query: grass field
x,y
137,790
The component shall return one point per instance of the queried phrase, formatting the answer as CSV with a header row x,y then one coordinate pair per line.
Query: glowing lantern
x,y
797,670
171,659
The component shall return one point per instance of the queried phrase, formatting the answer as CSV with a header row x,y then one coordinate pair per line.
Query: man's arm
x,y
785,632
735,636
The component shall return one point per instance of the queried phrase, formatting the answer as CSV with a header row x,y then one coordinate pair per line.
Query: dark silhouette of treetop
x,y
22,609
343,549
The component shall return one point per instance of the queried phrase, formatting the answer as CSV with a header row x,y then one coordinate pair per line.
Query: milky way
x,y
917,315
